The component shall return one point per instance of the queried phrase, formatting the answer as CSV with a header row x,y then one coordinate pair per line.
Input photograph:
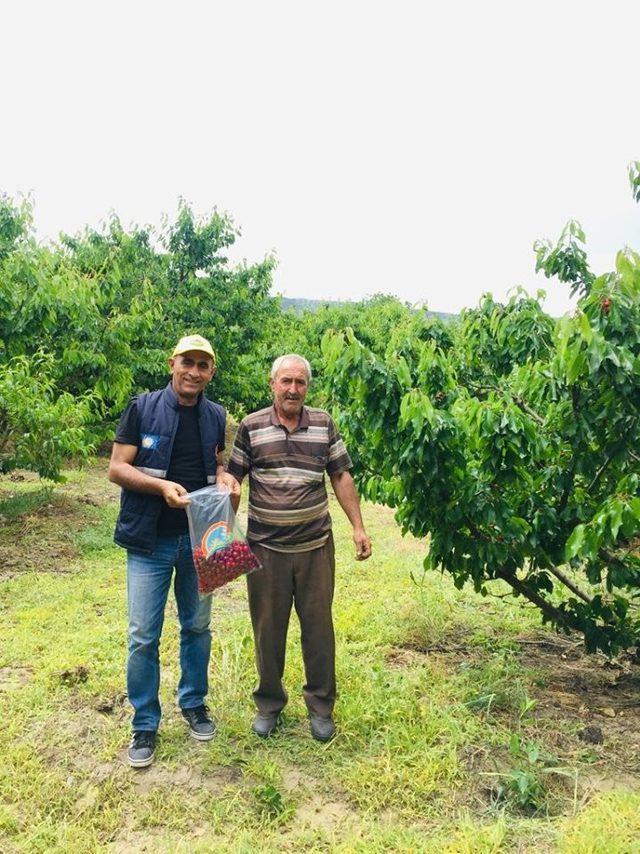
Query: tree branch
x,y
564,499
549,610
515,397
600,472
568,582
526,408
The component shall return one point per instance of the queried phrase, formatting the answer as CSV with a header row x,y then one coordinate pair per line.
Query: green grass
x,y
432,689
21,499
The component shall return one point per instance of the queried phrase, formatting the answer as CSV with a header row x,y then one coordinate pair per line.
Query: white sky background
x,y
409,148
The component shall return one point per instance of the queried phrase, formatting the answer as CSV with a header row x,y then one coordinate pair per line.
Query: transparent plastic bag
x,y
220,550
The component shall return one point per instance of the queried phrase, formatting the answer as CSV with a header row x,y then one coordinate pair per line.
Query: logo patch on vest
x,y
149,442
215,537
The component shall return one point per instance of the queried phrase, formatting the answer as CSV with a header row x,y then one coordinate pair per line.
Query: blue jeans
x,y
148,583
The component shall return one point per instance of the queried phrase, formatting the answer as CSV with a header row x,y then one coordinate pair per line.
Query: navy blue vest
x,y
137,523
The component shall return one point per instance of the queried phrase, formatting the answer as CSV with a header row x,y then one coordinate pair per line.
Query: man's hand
x,y
228,480
125,474
363,544
223,478
175,494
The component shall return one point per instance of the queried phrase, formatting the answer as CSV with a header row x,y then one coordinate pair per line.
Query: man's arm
x,y
238,465
123,472
345,490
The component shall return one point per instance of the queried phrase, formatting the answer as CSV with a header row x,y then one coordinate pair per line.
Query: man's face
x,y
190,373
289,387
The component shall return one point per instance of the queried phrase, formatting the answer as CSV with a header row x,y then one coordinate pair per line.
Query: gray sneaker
x,y
201,726
142,749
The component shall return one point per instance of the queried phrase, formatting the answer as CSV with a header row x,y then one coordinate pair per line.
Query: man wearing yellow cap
x,y
168,443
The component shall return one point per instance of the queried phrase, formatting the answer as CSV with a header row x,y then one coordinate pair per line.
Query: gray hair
x,y
290,357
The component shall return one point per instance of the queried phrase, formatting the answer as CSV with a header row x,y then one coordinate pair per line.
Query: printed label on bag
x,y
215,537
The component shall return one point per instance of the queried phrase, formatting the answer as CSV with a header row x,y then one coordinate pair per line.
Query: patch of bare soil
x,y
292,779
142,841
153,840
42,538
156,776
85,723
7,846
39,560
13,678
319,809
111,704
415,651
95,488
600,696
321,813
586,714
75,747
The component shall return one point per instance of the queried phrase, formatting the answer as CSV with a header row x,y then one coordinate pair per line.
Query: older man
x,y
286,449
168,443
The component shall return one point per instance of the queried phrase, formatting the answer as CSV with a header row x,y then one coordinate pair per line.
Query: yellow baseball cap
x,y
194,342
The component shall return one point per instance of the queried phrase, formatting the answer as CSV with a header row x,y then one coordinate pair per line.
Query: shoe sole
x,y
322,739
319,737
141,763
199,736
263,734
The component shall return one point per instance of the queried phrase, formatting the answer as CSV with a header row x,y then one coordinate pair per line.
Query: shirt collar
x,y
302,424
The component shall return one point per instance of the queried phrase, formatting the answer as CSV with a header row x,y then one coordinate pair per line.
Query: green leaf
x,y
403,373
585,328
634,505
576,361
575,542
615,519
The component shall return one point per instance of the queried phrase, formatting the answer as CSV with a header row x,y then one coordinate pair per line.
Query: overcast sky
x,y
411,148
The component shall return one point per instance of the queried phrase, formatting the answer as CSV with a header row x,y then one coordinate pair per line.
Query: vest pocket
x,y
136,526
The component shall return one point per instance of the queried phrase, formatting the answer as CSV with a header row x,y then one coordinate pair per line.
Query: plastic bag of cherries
x,y
220,550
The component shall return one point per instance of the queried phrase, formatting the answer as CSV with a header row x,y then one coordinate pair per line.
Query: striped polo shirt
x,y
288,504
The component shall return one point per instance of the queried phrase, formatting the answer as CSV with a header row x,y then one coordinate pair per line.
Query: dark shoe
x,y
142,749
322,729
264,725
201,726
